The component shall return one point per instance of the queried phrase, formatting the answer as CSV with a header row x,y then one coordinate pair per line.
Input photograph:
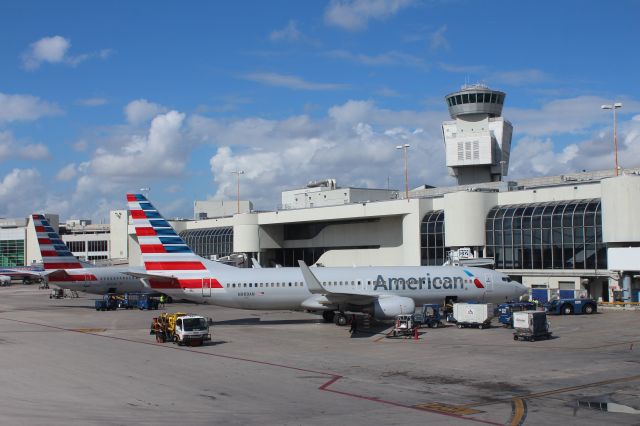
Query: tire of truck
x,y
459,325
566,309
328,316
515,337
481,326
340,320
588,309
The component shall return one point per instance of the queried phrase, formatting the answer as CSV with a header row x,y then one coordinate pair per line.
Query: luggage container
x,y
473,314
531,325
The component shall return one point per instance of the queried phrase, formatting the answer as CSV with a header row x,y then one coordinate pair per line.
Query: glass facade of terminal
x,y
11,253
553,235
432,249
209,241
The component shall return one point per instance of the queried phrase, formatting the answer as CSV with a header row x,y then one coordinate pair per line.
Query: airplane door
x,y
206,287
86,281
489,284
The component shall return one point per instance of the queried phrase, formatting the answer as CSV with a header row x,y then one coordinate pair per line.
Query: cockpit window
x,y
506,279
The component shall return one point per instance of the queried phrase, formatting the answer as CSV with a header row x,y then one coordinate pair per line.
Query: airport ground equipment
x,y
429,316
109,302
571,306
137,300
181,328
56,293
473,314
530,325
404,326
505,311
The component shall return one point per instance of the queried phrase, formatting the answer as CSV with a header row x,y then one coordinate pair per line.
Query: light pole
x,y
404,147
238,173
614,107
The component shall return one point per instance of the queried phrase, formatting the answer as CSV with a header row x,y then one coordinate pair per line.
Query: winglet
x,y
313,284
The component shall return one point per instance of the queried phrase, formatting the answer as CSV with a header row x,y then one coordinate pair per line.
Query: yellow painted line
x,y
559,390
448,408
517,417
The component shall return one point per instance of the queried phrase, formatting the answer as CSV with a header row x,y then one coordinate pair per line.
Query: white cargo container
x,y
473,314
530,325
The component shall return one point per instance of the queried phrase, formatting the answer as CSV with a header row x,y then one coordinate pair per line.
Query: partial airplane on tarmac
x,y
384,292
64,270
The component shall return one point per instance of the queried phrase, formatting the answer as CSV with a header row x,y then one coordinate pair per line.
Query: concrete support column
x,y
626,286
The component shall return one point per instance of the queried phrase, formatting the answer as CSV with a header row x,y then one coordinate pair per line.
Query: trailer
x,y
530,325
571,306
473,314
181,328
505,311
109,302
137,300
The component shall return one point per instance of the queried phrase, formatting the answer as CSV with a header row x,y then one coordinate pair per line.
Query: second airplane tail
x,y
55,254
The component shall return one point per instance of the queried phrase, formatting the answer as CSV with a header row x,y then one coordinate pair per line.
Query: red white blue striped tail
x,y
55,253
163,251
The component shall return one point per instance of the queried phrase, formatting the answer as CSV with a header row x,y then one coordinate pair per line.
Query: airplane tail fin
x,y
55,253
163,251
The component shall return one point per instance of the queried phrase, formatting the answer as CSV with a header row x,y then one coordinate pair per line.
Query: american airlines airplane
x,y
384,292
64,270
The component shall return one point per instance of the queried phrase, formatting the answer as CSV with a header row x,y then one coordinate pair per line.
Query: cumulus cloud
x,y
355,143
55,50
21,181
10,148
161,152
291,82
67,173
25,108
572,115
141,111
354,15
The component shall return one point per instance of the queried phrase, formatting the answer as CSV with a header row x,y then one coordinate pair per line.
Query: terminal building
x,y
571,235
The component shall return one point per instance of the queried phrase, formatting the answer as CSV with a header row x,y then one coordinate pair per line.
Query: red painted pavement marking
x,y
323,387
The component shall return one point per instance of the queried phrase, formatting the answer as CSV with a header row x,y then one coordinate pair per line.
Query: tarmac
x,y
63,363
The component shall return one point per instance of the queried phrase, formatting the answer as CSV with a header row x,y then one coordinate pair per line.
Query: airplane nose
x,y
520,289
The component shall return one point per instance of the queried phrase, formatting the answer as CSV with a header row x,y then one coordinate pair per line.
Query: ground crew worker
x,y
162,296
354,325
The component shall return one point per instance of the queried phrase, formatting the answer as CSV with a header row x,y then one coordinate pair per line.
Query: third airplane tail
x,y
55,253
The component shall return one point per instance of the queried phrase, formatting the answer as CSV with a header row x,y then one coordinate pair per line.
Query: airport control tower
x,y
478,140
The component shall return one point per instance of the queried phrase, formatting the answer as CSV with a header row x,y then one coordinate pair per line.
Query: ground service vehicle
x,y
56,293
181,328
506,310
530,325
142,301
429,316
473,314
404,326
109,302
572,306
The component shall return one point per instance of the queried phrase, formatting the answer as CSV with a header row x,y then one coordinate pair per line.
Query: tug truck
x,y
181,328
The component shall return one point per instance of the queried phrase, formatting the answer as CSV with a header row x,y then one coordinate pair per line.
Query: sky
x,y
102,98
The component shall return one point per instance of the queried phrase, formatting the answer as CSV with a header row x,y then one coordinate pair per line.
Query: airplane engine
x,y
391,306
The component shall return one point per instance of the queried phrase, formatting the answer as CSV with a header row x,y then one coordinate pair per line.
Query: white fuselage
x,y
100,280
285,288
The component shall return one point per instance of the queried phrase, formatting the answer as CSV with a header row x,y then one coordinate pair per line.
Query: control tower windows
x,y
472,98
480,97
501,99
465,98
458,99
493,98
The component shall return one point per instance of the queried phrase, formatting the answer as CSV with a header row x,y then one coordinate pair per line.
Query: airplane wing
x,y
22,273
154,281
328,297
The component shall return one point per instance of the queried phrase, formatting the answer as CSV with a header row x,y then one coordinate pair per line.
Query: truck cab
x,y
572,306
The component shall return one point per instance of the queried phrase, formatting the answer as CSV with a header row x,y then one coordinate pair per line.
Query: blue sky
x,y
100,99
